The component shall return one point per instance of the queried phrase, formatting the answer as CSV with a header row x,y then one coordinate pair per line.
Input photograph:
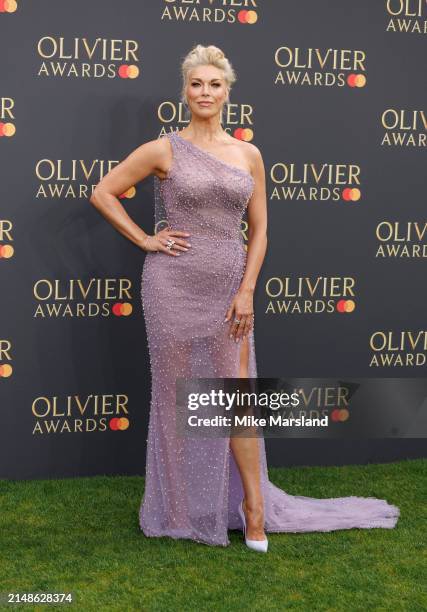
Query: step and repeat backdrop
x,y
332,93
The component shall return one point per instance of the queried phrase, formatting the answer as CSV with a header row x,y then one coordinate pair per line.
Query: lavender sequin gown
x,y
193,486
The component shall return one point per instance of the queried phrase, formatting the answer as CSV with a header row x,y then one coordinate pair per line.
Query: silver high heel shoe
x,y
258,545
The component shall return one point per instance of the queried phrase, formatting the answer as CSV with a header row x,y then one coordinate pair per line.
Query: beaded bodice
x,y
201,193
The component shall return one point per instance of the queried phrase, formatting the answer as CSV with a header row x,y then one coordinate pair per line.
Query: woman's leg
x,y
246,454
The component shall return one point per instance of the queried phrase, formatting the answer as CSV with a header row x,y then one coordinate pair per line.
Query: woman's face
x,y
206,91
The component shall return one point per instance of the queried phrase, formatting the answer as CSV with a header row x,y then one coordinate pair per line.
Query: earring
x,y
186,110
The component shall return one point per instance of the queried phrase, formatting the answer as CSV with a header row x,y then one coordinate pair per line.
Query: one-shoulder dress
x,y
192,485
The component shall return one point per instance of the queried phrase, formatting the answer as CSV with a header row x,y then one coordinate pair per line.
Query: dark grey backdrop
x,y
59,118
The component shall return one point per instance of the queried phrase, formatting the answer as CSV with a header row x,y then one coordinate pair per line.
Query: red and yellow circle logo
x,y
340,415
130,193
8,6
7,129
244,134
351,194
122,309
346,305
119,424
248,17
128,71
6,251
5,370
356,80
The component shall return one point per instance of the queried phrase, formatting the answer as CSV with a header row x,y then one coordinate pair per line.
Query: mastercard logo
x,y
247,17
122,309
346,305
6,251
339,415
8,6
5,370
7,129
243,134
128,71
119,424
356,80
351,195
130,193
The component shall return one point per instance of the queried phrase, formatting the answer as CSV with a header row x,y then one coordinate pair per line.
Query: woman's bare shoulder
x,y
156,146
156,153
252,154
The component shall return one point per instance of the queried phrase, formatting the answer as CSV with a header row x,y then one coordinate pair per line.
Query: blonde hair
x,y
202,56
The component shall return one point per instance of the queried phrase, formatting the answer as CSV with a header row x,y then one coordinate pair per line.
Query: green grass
x,y
82,535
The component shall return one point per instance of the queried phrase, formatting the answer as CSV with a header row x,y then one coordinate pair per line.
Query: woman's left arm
x,y
242,305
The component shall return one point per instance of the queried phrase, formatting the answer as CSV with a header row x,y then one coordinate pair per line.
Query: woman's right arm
x,y
152,157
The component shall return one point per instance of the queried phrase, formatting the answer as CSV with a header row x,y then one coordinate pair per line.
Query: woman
x,y
197,295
